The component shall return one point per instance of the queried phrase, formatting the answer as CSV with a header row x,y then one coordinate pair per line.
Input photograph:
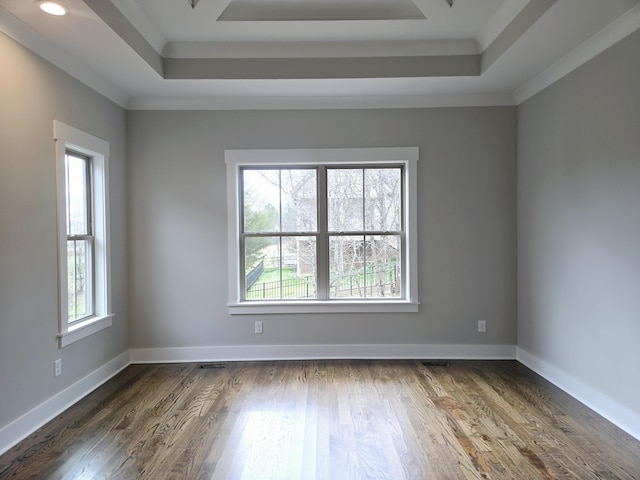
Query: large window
x,y
322,230
83,232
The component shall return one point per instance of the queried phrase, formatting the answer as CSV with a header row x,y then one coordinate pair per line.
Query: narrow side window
x,y
83,233
80,238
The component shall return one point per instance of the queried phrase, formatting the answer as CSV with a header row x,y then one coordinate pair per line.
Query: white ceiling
x,y
319,53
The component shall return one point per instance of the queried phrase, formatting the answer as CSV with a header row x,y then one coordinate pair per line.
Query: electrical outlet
x,y
57,367
482,326
258,327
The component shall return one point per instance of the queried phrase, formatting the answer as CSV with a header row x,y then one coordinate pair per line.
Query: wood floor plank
x,y
326,419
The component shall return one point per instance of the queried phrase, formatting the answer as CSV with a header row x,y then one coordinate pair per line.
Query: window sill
x,y
84,329
266,308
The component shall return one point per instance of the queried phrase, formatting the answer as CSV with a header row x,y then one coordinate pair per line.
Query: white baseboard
x,y
618,414
325,352
28,423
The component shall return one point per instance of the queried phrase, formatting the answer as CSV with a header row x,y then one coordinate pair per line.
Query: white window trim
x,y
67,137
408,156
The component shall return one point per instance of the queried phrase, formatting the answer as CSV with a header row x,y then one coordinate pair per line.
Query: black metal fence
x,y
291,288
379,283
254,275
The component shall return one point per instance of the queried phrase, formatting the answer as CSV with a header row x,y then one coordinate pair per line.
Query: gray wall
x,y
178,237
579,224
32,94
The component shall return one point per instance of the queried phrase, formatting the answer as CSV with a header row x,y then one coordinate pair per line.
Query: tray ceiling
x,y
327,52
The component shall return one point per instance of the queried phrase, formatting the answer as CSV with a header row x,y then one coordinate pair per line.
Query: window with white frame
x,y
322,230
80,238
83,233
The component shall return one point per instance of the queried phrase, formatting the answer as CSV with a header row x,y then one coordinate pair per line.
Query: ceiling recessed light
x,y
52,8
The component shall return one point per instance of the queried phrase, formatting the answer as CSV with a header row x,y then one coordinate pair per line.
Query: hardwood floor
x,y
327,420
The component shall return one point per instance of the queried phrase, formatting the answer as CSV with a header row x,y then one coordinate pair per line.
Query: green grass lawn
x,y
268,285
273,275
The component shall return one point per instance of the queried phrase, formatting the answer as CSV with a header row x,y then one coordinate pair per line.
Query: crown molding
x,y
335,49
141,22
512,32
507,12
119,23
607,37
26,36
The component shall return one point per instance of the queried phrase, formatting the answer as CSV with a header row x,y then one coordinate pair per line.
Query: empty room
x,y
320,239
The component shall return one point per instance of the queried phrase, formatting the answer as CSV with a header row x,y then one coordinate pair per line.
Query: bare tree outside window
x,y
365,223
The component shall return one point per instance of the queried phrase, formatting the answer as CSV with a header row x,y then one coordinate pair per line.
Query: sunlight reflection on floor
x,y
274,444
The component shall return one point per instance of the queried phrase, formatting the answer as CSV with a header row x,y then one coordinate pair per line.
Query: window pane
x,y
284,268
345,201
261,200
364,266
79,287
346,263
299,200
383,197
260,252
77,195
383,266
270,193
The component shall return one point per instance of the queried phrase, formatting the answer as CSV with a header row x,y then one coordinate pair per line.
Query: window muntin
x,y
358,232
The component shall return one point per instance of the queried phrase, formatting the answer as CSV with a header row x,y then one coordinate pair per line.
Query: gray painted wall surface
x,y
32,94
579,224
178,225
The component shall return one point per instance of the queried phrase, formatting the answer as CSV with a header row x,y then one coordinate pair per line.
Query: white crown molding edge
x,y
322,102
142,23
232,353
26,36
307,49
505,14
616,31
25,425
618,414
